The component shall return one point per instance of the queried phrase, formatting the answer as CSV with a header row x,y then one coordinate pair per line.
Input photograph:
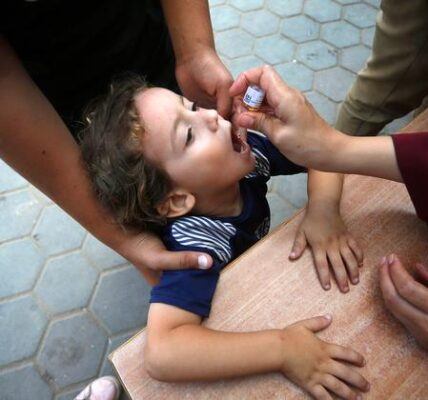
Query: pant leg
x,y
395,80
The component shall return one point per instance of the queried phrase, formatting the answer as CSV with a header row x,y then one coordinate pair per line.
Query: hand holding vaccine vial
x,y
253,98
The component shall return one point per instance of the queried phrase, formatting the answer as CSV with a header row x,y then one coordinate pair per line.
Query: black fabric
x,y
72,48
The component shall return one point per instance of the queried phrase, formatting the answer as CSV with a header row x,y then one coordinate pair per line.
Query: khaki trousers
x,y
395,79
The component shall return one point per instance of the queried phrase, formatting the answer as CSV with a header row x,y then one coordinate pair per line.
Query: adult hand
x,y
405,297
147,252
204,78
290,122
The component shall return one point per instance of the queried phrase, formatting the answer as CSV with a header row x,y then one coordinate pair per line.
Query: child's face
x,y
194,146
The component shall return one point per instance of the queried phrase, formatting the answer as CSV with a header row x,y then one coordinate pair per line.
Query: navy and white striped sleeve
x,y
193,289
269,160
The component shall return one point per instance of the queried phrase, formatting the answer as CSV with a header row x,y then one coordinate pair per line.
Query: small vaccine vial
x,y
253,97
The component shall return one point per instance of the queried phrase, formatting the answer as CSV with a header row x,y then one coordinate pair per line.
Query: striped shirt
x,y
224,238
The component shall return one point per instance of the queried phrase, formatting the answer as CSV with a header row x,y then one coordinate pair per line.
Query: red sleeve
x,y
411,150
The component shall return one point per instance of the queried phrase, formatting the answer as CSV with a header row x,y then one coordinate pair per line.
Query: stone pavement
x,y
65,299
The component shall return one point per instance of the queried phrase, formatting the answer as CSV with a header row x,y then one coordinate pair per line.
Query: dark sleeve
x,y
191,289
411,150
278,163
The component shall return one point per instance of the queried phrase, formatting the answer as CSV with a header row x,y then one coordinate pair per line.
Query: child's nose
x,y
211,118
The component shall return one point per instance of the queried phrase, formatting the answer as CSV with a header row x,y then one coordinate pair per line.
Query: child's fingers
x,y
349,375
316,324
299,245
321,264
350,261
320,393
356,249
339,268
346,354
337,387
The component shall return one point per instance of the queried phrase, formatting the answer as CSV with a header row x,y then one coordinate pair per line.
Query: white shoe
x,y
104,388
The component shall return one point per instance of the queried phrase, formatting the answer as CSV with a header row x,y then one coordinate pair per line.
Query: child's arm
x,y
323,229
180,349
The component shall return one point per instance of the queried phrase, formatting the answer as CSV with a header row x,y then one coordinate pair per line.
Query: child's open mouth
x,y
239,145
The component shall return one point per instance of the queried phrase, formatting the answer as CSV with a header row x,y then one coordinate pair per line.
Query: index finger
x,y
261,76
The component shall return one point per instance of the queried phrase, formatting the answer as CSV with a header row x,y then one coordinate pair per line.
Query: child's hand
x,y
323,229
320,367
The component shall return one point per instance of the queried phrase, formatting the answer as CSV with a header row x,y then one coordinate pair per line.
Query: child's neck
x,y
224,203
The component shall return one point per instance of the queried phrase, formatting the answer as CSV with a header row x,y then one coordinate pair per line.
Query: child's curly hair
x,y
127,185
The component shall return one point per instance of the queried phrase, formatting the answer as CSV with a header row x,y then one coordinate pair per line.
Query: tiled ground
x,y
65,299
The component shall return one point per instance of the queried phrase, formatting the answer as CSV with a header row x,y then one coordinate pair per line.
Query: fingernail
x,y
355,281
328,316
359,397
383,260
391,259
346,289
293,254
327,286
202,262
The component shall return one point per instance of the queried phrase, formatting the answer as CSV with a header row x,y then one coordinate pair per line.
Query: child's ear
x,y
177,203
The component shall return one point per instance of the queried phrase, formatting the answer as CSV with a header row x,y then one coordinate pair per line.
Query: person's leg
x,y
394,81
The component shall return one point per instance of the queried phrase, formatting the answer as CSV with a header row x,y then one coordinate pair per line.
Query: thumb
x,y
172,260
299,245
316,324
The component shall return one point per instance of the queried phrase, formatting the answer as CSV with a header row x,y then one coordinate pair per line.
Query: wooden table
x,y
262,289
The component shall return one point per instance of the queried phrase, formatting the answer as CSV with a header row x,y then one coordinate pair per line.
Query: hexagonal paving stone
x,y
300,29
10,180
234,43
334,82
367,36
224,17
347,1
274,49
72,350
121,300
292,188
260,23
246,5
296,75
317,55
355,58
325,107
281,210
374,3
40,196
323,11
100,255
24,383
20,263
18,214
21,327
361,15
66,283
241,64
285,8
340,34
57,232
213,3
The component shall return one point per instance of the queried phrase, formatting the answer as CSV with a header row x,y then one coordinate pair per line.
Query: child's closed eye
x,y
189,136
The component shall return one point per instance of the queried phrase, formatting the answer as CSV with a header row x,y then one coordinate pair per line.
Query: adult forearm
x,y
372,156
193,352
189,25
36,143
